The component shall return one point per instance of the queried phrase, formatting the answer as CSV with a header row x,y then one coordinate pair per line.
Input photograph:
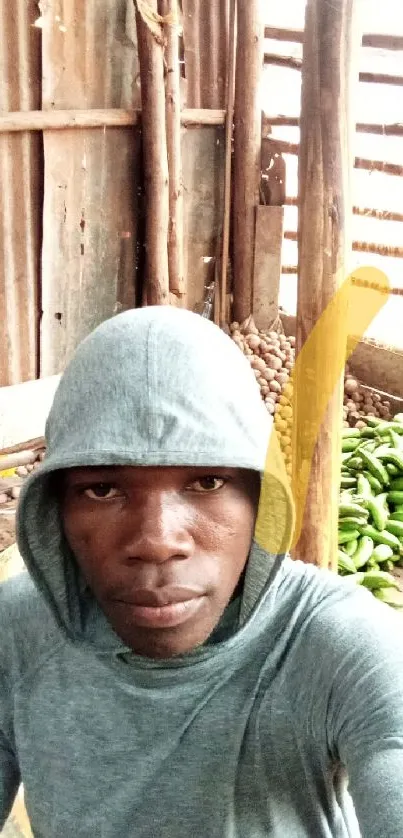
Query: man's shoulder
x,y
337,614
27,627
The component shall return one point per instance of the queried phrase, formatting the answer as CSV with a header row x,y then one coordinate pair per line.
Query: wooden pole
x,y
273,59
228,159
247,141
155,157
388,130
169,9
325,166
395,169
296,36
391,251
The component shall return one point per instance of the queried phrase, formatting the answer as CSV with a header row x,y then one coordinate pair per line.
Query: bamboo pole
x,y
325,168
155,159
392,251
359,163
247,141
30,445
59,120
169,8
391,130
292,63
381,215
230,92
296,36
191,26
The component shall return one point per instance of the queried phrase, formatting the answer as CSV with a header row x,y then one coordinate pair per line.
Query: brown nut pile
x,y
11,483
359,402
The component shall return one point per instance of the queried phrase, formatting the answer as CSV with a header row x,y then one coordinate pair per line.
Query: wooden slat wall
x,y
91,176
20,193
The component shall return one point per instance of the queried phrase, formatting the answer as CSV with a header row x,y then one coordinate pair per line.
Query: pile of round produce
x,y
272,357
371,506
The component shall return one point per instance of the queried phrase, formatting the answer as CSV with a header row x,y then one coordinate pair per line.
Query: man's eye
x,y
101,491
210,483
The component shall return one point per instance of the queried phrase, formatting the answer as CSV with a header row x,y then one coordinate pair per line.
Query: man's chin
x,y
161,643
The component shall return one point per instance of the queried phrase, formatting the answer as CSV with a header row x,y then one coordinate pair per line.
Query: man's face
x,y
161,548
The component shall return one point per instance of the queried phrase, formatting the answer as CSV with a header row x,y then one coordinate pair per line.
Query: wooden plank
x,y
296,36
203,190
91,176
24,409
267,264
325,168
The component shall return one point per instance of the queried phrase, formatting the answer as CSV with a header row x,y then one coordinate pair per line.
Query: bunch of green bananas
x,y
371,507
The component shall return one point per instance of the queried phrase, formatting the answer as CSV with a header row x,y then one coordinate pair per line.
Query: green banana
x,y
363,552
375,467
345,563
390,597
381,537
374,579
351,546
344,536
348,433
376,486
352,509
382,553
364,486
396,496
395,527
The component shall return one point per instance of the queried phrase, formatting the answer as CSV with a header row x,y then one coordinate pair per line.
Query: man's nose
x,y
158,530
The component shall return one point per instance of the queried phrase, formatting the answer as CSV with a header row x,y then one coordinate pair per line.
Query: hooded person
x,y
161,673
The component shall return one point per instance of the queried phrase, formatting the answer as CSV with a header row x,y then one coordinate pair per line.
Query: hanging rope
x,y
154,21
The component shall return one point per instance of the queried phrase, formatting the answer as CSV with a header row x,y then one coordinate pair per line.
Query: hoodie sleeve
x,y
9,770
365,711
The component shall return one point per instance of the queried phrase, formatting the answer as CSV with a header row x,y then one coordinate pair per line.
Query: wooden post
x,y
229,119
325,165
169,9
247,138
155,157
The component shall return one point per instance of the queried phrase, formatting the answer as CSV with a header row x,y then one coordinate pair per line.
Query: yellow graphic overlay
x,y
352,309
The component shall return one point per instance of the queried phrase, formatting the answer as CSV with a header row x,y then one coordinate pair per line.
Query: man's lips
x,y
162,607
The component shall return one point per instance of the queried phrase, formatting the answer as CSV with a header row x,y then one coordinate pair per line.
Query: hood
x,y
152,386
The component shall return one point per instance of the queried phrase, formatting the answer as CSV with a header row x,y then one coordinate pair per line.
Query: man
x,y
161,675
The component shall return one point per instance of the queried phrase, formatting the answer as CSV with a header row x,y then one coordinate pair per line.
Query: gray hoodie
x,y
297,695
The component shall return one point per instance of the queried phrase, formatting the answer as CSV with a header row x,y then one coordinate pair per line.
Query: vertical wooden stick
x,y
229,119
247,140
325,166
151,59
173,129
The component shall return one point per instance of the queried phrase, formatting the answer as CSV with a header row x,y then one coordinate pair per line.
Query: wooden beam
x,y
60,120
325,169
230,94
368,212
155,158
170,10
359,163
392,251
296,36
292,63
392,130
247,142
